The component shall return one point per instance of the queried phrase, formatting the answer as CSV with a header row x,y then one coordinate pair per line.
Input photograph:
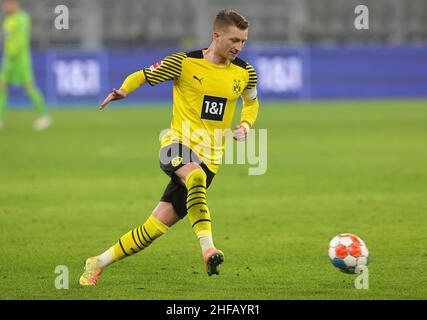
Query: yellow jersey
x,y
204,100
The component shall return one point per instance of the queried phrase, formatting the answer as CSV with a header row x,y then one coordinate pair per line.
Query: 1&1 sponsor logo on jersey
x,y
213,108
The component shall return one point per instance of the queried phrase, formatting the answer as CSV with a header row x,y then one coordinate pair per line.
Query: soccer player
x,y
17,67
207,85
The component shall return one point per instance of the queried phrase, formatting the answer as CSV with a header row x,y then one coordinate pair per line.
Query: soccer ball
x,y
348,253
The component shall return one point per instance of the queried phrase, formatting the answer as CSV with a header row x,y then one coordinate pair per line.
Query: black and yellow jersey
x,y
204,100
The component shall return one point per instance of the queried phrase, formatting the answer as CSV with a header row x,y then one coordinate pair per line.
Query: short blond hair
x,y
226,18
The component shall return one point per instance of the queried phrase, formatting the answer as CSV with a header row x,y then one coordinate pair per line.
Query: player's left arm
x,y
250,106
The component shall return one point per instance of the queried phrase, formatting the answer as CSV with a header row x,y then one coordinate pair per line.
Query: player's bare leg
x,y
165,212
194,178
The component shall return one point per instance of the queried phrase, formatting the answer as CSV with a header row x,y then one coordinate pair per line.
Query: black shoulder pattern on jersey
x,y
167,69
252,76
239,62
198,54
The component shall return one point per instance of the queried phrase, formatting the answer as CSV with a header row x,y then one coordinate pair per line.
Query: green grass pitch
x,y
333,167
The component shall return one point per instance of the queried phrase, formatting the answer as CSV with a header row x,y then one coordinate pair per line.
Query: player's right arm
x,y
167,69
113,95
131,83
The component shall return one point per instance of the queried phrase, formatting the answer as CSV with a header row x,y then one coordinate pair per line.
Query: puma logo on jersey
x,y
200,80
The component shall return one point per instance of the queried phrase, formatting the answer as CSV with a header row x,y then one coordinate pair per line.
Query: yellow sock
x,y
197,208
138,238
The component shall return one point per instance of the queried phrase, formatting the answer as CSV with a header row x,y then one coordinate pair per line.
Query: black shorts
x,y
172,157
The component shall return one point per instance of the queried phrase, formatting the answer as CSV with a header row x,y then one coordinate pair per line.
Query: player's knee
x,y
186,170
198,176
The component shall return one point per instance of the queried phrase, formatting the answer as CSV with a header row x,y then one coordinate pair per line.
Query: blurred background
x,y
135,23
302,49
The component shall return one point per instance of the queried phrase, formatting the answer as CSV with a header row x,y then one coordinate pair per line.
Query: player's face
x,y
10,6
231,41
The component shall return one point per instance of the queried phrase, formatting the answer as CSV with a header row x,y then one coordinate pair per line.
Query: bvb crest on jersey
x,y
236,86
176,161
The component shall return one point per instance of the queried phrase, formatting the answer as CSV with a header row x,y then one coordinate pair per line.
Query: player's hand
x,y
241,131
114,95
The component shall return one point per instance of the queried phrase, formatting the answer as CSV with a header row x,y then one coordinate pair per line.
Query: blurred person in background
x,y
16,68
